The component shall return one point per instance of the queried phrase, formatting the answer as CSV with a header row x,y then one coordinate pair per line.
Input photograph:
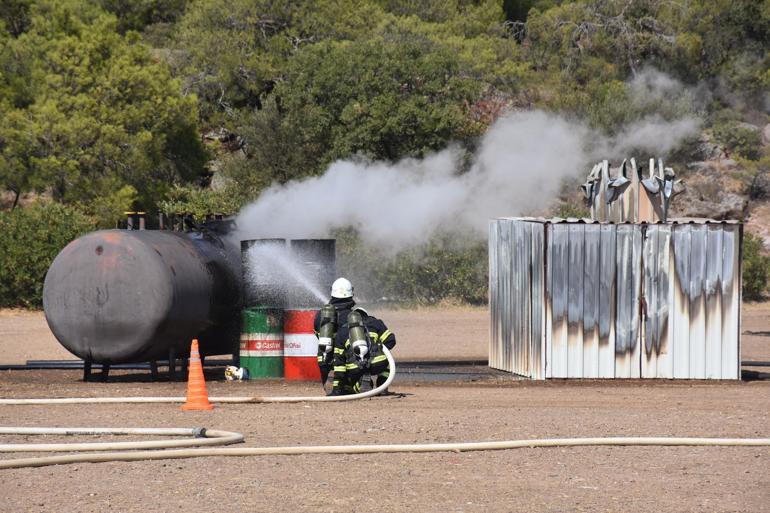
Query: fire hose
x,y
226,438
233,399
162,450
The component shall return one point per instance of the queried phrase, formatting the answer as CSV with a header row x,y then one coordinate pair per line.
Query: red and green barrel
x,y
295,276
262,342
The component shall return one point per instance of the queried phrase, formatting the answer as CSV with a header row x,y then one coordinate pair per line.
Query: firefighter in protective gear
x,y
350,342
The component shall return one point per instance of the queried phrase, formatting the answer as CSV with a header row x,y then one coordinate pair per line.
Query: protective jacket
x,y
347,368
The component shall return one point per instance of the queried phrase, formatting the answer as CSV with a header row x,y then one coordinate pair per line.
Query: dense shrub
x,y
30,238
443,269
199,202
740,139
756,268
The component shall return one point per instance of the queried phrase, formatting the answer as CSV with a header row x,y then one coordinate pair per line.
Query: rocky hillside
x,y
721,186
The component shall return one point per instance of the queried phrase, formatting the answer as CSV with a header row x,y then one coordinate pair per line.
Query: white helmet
x,y
342,288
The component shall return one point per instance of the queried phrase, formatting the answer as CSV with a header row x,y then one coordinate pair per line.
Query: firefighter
x,y
335,324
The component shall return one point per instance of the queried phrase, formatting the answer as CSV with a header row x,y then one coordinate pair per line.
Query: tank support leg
x,y
172,364
86,370
185,364
154,370
105,371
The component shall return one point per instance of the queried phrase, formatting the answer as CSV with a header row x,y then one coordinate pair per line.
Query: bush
x,y
30,238
444,268
199,202
740,139
571,209
756,268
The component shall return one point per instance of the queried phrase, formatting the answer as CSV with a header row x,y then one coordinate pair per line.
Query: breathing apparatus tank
x,y
359,340
328,328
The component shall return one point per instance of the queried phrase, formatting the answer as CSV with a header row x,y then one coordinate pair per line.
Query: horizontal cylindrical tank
x,y
118,296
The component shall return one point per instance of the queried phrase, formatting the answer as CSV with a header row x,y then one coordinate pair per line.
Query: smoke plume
x,y
518,170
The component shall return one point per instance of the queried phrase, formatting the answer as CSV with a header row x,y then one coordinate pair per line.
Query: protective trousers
x,y
348,369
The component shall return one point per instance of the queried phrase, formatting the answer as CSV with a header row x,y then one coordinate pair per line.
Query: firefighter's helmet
x,y
342,288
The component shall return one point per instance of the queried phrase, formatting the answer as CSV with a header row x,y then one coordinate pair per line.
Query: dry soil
x,y
493,408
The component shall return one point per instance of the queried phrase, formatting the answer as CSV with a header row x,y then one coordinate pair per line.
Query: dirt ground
x,y
451,333
496,407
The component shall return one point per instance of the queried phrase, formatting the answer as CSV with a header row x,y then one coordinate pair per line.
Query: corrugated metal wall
x,y
593,281
516,273
692,293
590,300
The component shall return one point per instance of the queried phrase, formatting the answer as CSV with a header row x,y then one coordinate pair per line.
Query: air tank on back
x,y
122,296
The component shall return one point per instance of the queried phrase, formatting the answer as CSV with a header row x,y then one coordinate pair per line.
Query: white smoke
x,y
518,170
654,136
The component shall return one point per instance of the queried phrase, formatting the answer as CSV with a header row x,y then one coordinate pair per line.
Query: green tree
x,y
518,10
103,114
200,202
743,140
756,268
232,54
14,15
30,238
138,14
395,96
446,267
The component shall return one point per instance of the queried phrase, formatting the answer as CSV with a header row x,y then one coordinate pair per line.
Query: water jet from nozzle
x,y
287,274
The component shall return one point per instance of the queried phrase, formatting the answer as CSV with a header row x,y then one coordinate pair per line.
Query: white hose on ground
x,y
234,399
368,449
225,437
200,436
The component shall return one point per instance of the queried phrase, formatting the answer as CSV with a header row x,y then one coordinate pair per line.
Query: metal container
x,y
316,260
118,296
262,342
264,280
300,361
296,277
579,299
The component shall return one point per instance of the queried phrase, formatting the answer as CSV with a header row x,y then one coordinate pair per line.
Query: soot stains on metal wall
x,y
575,299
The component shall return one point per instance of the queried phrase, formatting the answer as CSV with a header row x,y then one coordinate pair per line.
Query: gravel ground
x,y
494,407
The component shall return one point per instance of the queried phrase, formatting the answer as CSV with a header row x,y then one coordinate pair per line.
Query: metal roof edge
x,y
576,220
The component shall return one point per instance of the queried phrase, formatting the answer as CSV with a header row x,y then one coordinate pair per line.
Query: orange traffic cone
x,y
197,397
